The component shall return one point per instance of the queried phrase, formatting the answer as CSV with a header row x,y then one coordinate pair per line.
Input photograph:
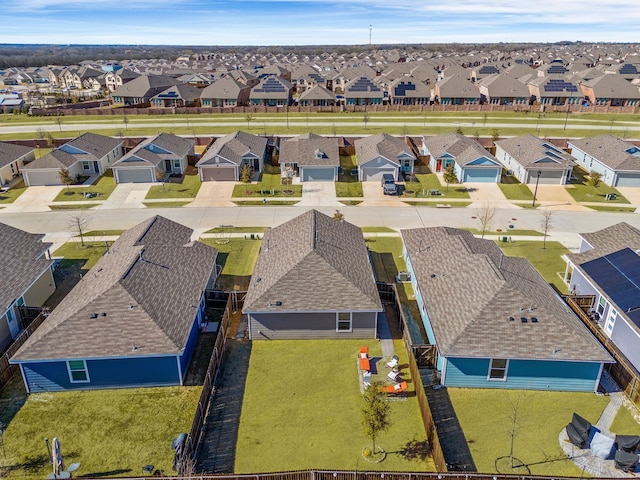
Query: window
x,y
78,372
176,163
602,304
498,369
343,322
85,165
611,321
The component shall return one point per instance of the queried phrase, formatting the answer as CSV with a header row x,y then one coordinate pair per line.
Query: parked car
x,y
388,183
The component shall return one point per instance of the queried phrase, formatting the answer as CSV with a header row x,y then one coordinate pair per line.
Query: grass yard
x,y
236,230
581,191
624,423
379,230
103,188
510,231
188,188
237,257
103,233
110,432
347,184
302,409
516,191
612,208
386,256
77,206
90,253
349,189
165,204
439,204
10,195
484,415
269,182
426,182
255,203
547,261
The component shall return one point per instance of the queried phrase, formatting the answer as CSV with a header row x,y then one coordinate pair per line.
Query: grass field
x,y
485,416
581,191
188,188
302,405
426,182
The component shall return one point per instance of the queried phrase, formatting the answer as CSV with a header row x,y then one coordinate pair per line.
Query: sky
x,y
316,22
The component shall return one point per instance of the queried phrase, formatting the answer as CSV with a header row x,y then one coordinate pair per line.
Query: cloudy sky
x,y
315,22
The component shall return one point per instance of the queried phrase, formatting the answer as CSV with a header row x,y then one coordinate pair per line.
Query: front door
x,y
438,164
167,166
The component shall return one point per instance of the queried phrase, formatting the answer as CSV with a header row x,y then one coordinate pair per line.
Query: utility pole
x,y
370,27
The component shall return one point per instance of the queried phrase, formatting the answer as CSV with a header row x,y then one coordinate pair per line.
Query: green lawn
x,y
436,204
77,206
11,195
103,233
103,187
269,182
91,252
624,423
255,203
302,405
349,189
581,191
236,230
484,415
110,432
386,256
547,261
378,230
516,191
347,184
237,257
165,204
612,208
426,182
514,232
187,189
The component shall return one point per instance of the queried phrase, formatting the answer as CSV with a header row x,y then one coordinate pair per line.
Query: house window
x,y
176,163
611,320
602,304
343,322
85,165
78,372
498,369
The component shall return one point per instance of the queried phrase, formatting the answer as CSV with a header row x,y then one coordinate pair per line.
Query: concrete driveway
x,y
214,194
482,194
34,199
375,197
556,197
126,195
632,194
316,194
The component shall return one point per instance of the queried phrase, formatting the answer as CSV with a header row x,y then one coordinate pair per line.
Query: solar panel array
x,y
363,84
488,70
168,95
271,85
629,69
316,77
557,69
618,274
401,89
557,85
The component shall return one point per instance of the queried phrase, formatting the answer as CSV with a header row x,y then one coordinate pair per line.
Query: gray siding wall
x,y
275,326
627,340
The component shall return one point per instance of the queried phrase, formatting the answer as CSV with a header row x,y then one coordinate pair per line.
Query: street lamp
x,y
535,191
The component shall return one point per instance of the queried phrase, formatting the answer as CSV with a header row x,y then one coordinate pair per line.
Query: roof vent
x,y
93,315
103,314
275,304
511,319
534,320
523,319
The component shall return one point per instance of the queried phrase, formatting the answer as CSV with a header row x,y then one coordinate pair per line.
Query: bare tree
x,y
594,179
160,176
485,215
59,122
78,224
125,120
546,224
365,118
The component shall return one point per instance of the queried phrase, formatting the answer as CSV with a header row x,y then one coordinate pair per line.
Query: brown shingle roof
x,y
383,145
310,149
10,152
233,147
529,149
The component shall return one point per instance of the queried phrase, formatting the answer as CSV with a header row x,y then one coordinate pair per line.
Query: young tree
x,y
365,118
125,120
485,215
249,118
245,173
51,142
66,178
459,131
595,178
449,175
495,135
59,122
546,224
78,224
160,176
375,413
338,215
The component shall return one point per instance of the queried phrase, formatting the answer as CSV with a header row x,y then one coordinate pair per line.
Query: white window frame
x,y
611,321
177,163
86,165
338,329
84,369
491,367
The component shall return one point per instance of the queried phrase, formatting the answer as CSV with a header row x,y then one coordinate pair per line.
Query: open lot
x,y
302,407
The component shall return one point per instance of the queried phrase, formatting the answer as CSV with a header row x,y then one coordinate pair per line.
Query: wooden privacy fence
x,y
625,375
7,371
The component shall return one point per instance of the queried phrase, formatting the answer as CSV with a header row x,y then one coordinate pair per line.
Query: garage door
x,y
375,174
142,175
34,179
628,180
485,175
219,174
318,174
549,177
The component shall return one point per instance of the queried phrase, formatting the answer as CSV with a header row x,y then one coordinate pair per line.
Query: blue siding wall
x,y
524,374
191,343
126,372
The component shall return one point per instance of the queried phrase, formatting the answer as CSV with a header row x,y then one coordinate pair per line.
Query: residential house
x,y
12,159
456,90
139,90
133,319
11,102
226,92
611,90
182,95
616,160
409,91
224,159
532,159
272,92
363,91
493,320
471,161
503,89
153,158
607,267
117,78
88,154
317,96
555,90
310,157
312,280
383,153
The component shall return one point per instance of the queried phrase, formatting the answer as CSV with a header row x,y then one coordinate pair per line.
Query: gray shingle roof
x,y
529,149
313,263
234,147
148,285
226,87
144,86
462,149
606,241
22,262
383,145
94,147
610,151
471,290
144,153
310,149
10,152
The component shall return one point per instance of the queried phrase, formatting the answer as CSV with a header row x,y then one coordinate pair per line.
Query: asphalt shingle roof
x,y
471,290
10,152
94,147
528,149
463,149
143,154
313,263
145,292
310,149
233,147
381,144
610,151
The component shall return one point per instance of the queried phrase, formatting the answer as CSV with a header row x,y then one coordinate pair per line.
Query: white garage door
x,y
138,175
375,174
549,177
318,174
219,174
628,180
34,179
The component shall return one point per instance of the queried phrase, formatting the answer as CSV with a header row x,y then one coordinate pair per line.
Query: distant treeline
x,y
38,55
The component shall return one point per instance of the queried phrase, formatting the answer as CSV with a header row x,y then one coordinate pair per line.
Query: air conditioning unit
x,y
403,277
